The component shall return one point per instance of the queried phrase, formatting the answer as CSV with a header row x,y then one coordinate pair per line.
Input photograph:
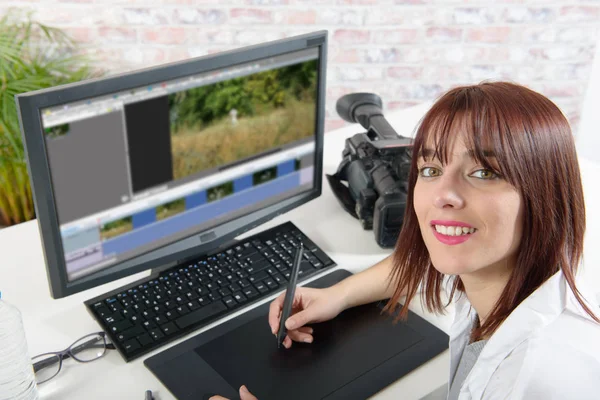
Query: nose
x,y
448,193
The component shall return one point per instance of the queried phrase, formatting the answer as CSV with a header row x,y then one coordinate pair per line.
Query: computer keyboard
x,y
143,316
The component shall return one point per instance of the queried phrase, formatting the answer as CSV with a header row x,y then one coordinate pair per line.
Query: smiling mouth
x,y
453,230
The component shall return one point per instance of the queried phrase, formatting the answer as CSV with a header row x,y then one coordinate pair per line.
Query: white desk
x,y
52,325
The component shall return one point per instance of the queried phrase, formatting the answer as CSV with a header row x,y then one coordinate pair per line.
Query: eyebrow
x,y
469,153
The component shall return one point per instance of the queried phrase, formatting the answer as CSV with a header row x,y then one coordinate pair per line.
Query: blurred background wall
x,y
407,51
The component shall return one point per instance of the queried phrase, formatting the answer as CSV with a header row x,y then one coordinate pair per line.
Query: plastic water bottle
x,y
17,380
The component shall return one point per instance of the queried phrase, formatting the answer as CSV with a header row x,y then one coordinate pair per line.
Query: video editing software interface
x,y
142,168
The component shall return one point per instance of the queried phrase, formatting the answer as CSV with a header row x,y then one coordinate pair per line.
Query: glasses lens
x,y
89,348
45,366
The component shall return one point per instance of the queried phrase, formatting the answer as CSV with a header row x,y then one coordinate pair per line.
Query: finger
x,y
287,342
298,336
274,313
298,320
305,329
218,398
245,394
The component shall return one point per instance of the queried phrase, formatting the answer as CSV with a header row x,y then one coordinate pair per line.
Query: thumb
x,y
298,320
245,394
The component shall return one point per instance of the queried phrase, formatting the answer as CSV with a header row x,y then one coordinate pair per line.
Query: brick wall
x,y
407,51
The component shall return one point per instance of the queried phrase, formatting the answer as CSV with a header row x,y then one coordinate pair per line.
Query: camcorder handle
x,y
372,165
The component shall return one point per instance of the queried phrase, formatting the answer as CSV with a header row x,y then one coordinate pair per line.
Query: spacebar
x,y
201,314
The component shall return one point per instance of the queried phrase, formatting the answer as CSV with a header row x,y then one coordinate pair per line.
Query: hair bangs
x,y
468,115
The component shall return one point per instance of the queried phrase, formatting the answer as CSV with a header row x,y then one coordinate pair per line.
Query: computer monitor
x,y
145,169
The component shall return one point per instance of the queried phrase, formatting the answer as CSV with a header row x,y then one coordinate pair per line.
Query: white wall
x,y
588,134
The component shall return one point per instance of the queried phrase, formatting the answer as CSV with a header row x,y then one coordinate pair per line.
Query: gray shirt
x,y
467,360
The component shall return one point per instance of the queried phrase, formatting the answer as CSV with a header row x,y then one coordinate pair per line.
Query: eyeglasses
x,y
89,348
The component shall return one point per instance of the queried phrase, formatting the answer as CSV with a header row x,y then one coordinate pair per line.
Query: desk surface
x,y
52,325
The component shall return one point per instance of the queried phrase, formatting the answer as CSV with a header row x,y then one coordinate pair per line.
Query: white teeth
x,y
454,230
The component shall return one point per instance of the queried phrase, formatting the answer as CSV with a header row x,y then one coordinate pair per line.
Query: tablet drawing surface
x,y
356,341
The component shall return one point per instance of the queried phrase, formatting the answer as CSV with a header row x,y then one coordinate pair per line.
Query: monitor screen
x,y
137,169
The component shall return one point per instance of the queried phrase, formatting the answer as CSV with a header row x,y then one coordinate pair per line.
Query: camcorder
x,y
375,166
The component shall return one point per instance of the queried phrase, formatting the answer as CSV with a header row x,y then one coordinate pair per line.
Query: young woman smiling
x,y
496,218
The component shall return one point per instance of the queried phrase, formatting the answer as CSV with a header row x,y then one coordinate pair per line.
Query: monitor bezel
x,y
30,104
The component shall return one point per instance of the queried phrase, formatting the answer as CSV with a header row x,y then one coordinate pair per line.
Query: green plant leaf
x,y
33,56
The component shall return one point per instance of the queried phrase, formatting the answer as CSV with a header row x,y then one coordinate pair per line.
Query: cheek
x,y
507,220
420,204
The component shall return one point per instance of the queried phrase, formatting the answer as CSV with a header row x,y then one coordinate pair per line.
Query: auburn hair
x,y
535,152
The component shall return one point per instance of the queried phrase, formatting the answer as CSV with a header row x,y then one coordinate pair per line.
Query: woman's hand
x,y
244,395
309,305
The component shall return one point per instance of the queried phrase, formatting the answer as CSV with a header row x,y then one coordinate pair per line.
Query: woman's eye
x,y
429,172
485,174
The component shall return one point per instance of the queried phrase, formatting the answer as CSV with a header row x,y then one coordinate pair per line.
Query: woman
x,y
496,216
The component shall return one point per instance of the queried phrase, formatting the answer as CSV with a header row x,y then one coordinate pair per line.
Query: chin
x,y
452,268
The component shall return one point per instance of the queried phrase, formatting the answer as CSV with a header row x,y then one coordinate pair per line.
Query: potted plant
x,y
32,56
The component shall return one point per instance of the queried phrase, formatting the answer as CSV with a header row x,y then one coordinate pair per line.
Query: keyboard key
x,y
116,307
258,276
271,283
239,297
281,267
323,257
145,340
244,283
113,318
193,305
149,325
156,334
250,292
201,315
261,287
280,279
171,315
170,304
254,258
131,345
102,311
306,268
215,295
121,326
204,301
247,252
229,302
130,333
169,328
182,310
258,266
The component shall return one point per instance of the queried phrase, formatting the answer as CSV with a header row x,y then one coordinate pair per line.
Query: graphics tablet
x,y
353,356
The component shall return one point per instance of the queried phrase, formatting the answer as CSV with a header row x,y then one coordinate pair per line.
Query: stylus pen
x,y
289,296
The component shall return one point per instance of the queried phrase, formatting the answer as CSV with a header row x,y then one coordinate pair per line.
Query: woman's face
x,y
471,219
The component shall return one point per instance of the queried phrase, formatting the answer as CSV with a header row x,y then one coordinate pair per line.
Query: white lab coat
x,y
548,348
